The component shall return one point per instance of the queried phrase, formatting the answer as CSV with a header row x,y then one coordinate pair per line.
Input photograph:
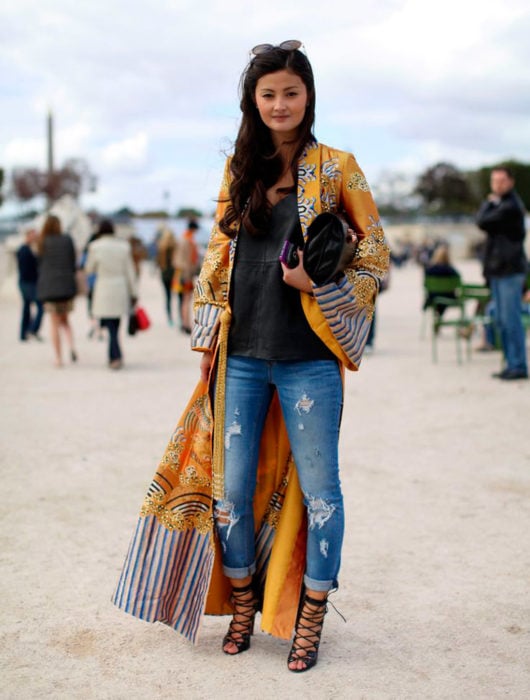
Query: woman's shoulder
x,y
332,152
58,244
110,242
331,159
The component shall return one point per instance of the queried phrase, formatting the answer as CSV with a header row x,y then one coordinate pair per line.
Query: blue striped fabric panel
x,y
349,322
165,577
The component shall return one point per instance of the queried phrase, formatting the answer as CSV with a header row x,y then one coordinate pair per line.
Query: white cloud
x,y
149,93
24,152
126,155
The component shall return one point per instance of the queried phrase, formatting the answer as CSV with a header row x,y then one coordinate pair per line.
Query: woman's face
x,y
281,99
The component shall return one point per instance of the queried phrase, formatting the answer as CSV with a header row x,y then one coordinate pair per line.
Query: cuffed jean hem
x,y
322,586
242,572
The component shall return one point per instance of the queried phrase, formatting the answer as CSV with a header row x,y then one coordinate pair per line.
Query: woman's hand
x,y
351,233
206,364
297,277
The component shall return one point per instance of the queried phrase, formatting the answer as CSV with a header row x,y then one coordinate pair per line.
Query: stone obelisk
x,y
49,131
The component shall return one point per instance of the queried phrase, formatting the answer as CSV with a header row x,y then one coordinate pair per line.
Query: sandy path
x,y
435,578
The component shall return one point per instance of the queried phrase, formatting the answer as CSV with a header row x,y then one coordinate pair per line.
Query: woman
x,y
440,266
95,325
165,257
188,267
56,285
249,515
110,259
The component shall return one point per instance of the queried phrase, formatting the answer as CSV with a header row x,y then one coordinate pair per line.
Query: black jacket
x,y
28,269
505,228
57,270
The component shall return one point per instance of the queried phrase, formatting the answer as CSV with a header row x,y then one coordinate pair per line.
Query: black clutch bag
x,y
329,248
132,326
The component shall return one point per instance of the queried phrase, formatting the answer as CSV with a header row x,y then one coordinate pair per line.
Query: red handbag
x,y
142,319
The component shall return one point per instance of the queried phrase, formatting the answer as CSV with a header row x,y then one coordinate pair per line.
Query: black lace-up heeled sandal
x,y
242,625
307,636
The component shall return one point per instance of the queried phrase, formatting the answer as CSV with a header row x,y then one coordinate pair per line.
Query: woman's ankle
x,y
316,595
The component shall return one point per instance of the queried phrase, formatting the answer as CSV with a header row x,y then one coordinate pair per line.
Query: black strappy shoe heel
x,y
240,630
308,631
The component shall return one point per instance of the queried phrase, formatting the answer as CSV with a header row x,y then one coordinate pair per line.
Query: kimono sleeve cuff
x,y
324,290
204,333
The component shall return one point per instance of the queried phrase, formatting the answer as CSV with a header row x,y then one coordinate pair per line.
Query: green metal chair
x,y
480,295
438,290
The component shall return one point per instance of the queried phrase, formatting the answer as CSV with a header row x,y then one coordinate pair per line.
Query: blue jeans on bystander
x,y
30,325
113,326
507,293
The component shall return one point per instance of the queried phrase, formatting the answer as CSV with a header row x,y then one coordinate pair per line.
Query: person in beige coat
x,y
115,289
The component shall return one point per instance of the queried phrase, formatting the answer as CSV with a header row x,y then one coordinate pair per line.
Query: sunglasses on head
x,y
290,45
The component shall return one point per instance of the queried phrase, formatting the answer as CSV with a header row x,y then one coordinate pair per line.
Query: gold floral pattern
x,y
212,266
180,494
172,455
357,181
178,519
190,477
372,252
364,289
272,517
329,176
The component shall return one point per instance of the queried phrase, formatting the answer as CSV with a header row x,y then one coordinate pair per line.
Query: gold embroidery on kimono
x,y
357,181
365,290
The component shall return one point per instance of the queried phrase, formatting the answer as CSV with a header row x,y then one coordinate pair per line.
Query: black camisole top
x,y
268,321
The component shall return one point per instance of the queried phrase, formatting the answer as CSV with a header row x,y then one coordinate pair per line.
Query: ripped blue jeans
x,y
310,395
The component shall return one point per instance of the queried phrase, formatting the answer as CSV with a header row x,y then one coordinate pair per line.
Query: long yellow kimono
x,y
173,570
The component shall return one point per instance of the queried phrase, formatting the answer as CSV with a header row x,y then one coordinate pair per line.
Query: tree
x,y
394,194
124,213
27,183
446,190
73,178
188,213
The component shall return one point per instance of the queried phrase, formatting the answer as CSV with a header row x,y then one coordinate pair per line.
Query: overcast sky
x,y
147,91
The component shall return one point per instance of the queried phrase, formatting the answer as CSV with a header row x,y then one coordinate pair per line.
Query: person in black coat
x,y
28,272
56,285
502,217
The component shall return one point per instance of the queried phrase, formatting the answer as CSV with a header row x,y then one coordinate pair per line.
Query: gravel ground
x,y
436,564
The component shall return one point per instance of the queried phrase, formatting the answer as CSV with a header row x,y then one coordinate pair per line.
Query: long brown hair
x,y
257,164
51,227
166,246
440,255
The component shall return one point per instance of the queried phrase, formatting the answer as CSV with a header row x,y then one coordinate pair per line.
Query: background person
x,y
502,217
28,272
56,284
440,265
165,257
188,263
95,326
138,252
110,258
